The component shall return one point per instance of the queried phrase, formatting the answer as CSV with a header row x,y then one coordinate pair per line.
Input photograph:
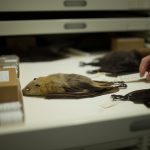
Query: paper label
x,y
10,60
4,76
132,77
11,66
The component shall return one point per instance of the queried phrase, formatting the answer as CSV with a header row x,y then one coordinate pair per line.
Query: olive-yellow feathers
x,y
67,86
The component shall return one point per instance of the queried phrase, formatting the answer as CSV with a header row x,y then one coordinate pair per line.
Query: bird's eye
x,y
37,85
34,78
27,89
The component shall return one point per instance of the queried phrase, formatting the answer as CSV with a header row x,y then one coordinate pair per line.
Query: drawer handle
x,y
75,3
140,125
75,26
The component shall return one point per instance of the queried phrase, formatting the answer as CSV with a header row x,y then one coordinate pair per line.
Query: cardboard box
x,y
15,65
8,85
127,44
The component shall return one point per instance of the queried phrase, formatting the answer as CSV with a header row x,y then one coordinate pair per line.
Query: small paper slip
x,y
110,103
126,78
131,77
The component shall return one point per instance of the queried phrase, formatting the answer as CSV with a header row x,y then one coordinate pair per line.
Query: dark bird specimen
x,y
138,96
117,62
69,86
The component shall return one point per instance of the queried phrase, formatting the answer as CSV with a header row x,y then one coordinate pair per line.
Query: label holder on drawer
x,y
75,3
75,25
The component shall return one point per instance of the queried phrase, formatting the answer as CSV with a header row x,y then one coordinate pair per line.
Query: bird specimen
x,y
76,86
141,96
116,63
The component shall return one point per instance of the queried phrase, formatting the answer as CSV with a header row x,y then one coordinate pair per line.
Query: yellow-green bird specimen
x,y
67,86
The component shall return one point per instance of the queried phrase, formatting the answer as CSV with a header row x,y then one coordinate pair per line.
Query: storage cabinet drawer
x,y
73,26
67,5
